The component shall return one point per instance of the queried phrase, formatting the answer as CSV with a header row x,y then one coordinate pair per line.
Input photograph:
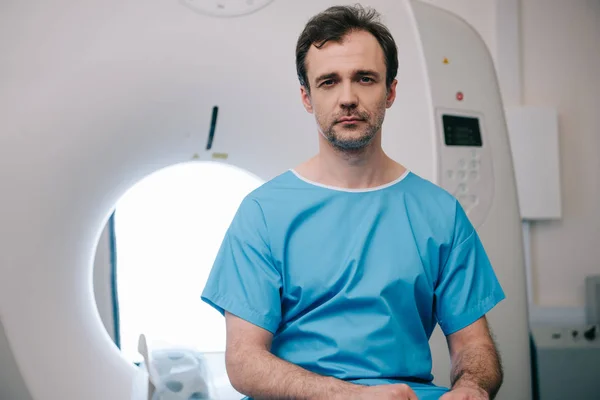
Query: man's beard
x,y
368,128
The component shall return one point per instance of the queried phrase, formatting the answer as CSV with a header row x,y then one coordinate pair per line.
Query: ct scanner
x,y
96,97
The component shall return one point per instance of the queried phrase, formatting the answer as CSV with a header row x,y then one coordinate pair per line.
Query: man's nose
x,y
348,97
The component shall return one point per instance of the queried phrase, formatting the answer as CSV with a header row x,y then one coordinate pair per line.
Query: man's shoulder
x,y
429,193
278,185
276,190
431,208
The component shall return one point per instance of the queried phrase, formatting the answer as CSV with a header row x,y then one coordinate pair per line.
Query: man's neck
x,y
367,168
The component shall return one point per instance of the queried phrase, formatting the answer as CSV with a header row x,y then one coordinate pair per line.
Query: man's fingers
x,y
412,395
402,391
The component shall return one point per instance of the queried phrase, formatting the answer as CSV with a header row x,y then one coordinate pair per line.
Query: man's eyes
x,y
362,79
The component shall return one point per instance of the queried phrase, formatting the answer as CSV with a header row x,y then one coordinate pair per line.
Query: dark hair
x,y
336,22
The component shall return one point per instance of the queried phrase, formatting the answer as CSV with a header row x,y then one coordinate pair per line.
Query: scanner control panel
x,y
466,162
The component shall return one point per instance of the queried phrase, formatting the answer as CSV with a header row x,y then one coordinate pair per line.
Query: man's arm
x,y
476,364
255,372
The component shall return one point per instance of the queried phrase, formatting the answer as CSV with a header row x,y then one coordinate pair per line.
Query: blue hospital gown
x,y
352,282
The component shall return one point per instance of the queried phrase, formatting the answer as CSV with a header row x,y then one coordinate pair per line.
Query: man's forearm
x,y
260,375
478,366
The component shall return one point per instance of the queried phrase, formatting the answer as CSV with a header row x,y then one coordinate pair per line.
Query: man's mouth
x,y
349,120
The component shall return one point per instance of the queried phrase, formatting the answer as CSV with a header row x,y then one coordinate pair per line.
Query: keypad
x,y
464,175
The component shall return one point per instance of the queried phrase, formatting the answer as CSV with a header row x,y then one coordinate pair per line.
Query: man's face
x,y
348,94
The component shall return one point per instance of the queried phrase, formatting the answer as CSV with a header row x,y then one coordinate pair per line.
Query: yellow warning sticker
x,y
222,156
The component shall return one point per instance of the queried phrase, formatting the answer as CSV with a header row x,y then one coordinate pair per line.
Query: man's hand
x,y
387,392
465,393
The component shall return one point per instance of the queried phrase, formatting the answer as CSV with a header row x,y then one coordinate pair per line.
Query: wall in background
x,y
561,69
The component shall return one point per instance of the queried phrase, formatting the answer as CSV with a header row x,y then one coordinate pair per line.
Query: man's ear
x,y
305,95
391,94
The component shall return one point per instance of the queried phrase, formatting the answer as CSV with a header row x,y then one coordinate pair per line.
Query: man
x,y
333,275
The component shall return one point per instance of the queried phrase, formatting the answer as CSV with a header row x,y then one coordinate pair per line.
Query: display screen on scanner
x,y
461,131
